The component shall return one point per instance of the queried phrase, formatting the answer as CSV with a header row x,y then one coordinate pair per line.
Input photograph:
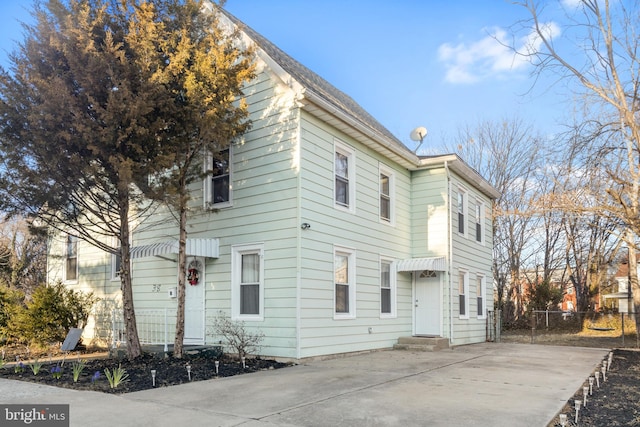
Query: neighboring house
x,y
622,297
320,228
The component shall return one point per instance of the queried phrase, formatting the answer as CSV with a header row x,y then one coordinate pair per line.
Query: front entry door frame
x,y
427,303
194,318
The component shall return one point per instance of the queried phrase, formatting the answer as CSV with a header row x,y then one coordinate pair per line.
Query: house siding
x,y
474,258
363,232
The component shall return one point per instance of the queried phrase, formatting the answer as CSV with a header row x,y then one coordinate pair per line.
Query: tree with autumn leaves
x,y
103,94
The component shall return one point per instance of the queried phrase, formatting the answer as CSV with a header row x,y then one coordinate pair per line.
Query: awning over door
x,y
208,248
419,264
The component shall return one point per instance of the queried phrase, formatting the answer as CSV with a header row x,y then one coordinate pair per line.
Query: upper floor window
x,y
248,282
218,183
386,194
345,283
479,221
462,207
71,258
345,178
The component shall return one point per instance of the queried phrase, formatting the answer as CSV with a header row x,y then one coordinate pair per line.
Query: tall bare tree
x,y
507,153
597,55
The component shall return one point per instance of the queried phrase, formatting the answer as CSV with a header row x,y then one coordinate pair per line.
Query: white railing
x,y
156,326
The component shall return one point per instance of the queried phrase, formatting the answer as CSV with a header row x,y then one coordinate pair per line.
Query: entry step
x,y
418,343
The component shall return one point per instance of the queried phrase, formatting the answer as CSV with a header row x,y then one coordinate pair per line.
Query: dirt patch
x,y
616,402
169,371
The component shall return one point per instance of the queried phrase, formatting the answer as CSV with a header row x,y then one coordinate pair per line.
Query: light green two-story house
x,y
321,229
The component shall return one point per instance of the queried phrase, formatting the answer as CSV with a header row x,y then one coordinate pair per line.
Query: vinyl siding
x,y
363,232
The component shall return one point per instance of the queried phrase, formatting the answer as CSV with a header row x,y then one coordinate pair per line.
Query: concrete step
x,y
422,343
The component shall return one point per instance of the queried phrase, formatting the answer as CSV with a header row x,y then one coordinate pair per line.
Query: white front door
x,y
428,309
194,302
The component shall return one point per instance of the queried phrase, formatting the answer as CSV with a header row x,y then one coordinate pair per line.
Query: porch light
x,y
153,377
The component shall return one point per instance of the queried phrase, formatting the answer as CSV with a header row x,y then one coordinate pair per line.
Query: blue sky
x,y
408,62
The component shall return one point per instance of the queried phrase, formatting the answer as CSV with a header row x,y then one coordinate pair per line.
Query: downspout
x,y
450,244
299,236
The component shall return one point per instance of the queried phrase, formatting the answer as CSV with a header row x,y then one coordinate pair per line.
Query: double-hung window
x,y
481,293
387,290
344,283
463,294
462,206
386,195
247,266
480,221
71,258
218,187
116,265
345,177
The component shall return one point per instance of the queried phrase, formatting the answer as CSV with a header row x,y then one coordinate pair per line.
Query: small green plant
x,y
56,372
18,368
77,367
35,366
117,376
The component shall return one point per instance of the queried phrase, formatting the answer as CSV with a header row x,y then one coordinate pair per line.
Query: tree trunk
x,y
129,314
178,344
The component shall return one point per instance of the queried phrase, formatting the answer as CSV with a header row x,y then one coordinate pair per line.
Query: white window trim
x,y
483,229
465,277
351,260
393,286
383,169
236,264
482,292
465,211
350,153
66,257
207,185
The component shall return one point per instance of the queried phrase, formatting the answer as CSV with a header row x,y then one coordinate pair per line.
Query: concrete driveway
x,y
476,385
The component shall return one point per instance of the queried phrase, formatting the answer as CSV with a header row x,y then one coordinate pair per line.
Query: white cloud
x,y
490,56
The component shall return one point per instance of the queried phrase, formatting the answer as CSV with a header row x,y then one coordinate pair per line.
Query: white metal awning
x,y
208,248
419,264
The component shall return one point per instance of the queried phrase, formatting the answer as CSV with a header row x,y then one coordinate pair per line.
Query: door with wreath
x,y
194,302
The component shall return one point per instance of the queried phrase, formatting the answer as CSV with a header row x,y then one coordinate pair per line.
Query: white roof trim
x,y
208,248
419,264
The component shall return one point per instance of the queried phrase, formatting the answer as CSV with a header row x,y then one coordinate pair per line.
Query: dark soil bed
x,y
616,402
169,371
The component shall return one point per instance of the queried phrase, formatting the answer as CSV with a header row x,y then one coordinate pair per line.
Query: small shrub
x,y
236,335
47,318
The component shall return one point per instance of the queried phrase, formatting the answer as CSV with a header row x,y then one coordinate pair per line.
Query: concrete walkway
x,y
477,385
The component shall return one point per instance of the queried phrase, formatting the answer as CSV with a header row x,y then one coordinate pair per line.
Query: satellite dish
x,y
418,135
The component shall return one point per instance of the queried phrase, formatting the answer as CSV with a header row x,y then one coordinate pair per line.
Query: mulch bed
x,y
616,402
169,371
